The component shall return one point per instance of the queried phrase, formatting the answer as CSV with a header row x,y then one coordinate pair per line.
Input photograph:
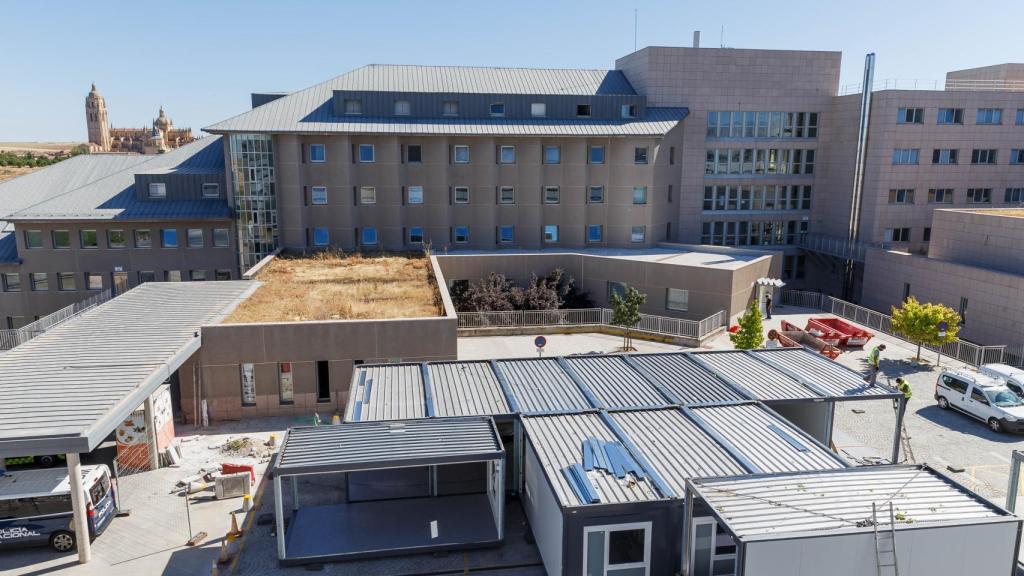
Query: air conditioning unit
x,y
233,485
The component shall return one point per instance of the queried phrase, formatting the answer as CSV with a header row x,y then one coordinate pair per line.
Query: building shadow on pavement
x,y
961,423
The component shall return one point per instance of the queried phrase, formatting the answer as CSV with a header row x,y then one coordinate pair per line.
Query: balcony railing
x,y
661,325
949,85
11,338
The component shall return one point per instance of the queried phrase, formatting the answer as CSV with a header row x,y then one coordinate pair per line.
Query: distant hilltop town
x,y
161,137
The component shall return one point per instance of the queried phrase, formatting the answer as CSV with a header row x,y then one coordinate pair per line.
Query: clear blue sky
x,y
201,59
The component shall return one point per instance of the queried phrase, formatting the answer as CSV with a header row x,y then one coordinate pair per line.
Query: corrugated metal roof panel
x,y
368,445
828,375
765,382
542,386
676,447
558,441
386,392
466,388
614,383
768,442
761,506
689,381
483,80
65,381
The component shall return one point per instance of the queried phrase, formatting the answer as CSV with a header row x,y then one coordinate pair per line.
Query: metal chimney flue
x,y
696,38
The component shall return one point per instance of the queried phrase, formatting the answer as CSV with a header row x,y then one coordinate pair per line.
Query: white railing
x,y
592,317
920,84
11,338
838,247
961,350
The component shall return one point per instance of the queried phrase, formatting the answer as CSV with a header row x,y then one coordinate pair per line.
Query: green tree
x,y
751,333
919,323
626,313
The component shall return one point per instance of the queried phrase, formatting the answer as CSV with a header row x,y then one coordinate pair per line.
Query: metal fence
x,y
949,85
11,338
961,350
592,317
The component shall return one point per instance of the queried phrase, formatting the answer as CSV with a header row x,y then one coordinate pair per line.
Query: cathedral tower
x,y
96,120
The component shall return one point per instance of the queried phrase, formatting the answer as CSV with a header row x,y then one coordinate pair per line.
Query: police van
x,y
35,507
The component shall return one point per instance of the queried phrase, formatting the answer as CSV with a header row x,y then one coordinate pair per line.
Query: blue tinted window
x,y
369,235
552,155
594,233
597,154
321,237
169,238
317,153
461,234
366,153
416,235
506,234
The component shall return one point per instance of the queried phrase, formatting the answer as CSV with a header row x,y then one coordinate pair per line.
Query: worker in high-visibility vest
x,y
874,358
904,388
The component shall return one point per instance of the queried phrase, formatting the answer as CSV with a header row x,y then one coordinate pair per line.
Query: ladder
x,y
885,544
908,452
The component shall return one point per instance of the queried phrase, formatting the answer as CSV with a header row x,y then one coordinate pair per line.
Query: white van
x,y
1013,377
982,397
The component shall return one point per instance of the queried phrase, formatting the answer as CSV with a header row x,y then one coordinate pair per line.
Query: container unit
x,y
796,524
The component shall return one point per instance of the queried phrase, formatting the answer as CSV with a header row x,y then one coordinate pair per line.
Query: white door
x,y
979,406
957,390
617,550
713,550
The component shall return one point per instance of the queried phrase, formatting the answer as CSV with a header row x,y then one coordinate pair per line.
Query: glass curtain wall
x,y
255,196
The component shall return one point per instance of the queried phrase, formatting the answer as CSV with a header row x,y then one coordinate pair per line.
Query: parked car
x,y
1013,377
981,397
35,507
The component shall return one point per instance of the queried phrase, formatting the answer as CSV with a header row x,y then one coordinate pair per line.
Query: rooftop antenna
x,y
721,39
635,26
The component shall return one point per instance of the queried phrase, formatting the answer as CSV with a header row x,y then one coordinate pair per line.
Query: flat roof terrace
x,y
335,286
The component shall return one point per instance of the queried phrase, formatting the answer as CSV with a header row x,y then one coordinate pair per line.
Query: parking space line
x,y
999,456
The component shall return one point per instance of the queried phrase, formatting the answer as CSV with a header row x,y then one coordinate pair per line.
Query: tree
x,y
751,333
626,313
919,323
490,294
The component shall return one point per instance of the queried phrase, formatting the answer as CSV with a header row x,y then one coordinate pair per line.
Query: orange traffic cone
x,y
225,556
234,532
214,570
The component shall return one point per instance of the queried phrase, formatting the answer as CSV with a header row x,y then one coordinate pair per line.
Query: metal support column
x,y
899,429
295,492
279,516
1013,487
79,521
151,443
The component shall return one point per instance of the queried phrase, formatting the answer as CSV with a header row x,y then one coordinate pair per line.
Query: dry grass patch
x,y
333,286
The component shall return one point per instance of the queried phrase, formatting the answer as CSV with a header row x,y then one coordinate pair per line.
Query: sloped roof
x,y
484,80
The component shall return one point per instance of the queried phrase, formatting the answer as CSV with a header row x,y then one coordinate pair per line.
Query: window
x,y
955,383
402,108
637,233
353,106
1020,117
116,239
461,195
506,195
507,154
248,379
415,235
195,238
157,190
1017,156
552,195
323,381
461,234
169,238
897,234
538,109
583,110
367,195
497,109
940,196
950,116
983,156
596,195
93,281
640,156
594,233
197,275
910,116
61,239
211,190
989,116
319,195
461,154
38,281
450,108
629,110
904,156
220,275
550,233
11,281
552,155
944,156
66,281
639,194
597,154
221,238
615,289
963,311
369,236
414,154
926,237
321,237
979,195
366,153
146,276
506,234
143,239
172,276
33,239
617,550
317,153
285,384
901,196
415,194
89,239
677,299
1014,195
